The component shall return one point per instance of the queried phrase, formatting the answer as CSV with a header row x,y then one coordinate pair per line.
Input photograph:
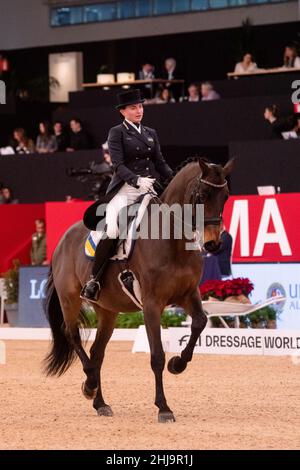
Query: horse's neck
x,y
176,191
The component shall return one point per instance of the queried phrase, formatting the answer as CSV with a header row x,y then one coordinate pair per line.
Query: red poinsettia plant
x,y
223,289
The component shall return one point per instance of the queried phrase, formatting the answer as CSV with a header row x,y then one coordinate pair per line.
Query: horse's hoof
x,y
166,417
87,392
176,365
105,411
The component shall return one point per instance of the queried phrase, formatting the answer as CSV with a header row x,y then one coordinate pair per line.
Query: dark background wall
x,y
214,123
39,178
264,163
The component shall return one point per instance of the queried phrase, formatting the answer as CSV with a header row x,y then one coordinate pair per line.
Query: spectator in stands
x,y
61,137
247,65
291,58
7,196
194,93
276,125
208,93
147,73
79,138
170,67
45,142
38,252
171,73
165,96
22,143
224,253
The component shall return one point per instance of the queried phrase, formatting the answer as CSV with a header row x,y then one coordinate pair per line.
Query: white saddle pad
x,y
125,249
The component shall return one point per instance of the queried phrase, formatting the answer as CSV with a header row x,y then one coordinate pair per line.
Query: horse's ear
x,y
204,168
229,166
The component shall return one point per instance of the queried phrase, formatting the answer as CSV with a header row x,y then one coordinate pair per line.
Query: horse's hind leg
x,y
105,329
70,303
193,306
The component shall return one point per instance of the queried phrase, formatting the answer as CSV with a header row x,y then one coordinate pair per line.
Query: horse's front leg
x,y
193,306
152,316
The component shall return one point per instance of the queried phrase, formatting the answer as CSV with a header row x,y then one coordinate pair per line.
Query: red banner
x,y
59,217
17,226
264,228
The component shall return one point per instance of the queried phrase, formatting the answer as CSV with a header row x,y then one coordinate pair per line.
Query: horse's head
x,y
211,190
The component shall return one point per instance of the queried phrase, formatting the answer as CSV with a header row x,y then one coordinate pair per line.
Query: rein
x,y
197,196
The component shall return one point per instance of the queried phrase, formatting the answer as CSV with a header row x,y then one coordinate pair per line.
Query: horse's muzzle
x,y
212,246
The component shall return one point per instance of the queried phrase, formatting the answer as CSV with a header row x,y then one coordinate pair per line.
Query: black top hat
x,y
129,97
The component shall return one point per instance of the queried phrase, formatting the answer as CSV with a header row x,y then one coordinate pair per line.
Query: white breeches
x,y
125,196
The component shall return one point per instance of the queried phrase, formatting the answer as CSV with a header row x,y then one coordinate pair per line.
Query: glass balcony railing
x,y
130,9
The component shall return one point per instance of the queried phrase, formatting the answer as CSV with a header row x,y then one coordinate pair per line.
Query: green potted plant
x,y
262,318
11,282
133,319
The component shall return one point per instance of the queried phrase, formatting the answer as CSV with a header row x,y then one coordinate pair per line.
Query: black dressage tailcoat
x,y
133,154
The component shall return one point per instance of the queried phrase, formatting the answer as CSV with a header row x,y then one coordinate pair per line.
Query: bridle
x,y
196,198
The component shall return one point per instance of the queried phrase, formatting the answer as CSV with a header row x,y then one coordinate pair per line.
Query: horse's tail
x,y
62,353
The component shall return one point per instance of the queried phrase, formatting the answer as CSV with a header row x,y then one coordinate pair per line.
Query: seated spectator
x,y
193,94
208,93
291,58
224,253
171,73
7,196
38,252
292,127
276,125
79,139
147,73
61,137
22,143
45,142
247,65
165,96
169,69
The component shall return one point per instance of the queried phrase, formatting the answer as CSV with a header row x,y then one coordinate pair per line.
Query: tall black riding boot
x,y
105,249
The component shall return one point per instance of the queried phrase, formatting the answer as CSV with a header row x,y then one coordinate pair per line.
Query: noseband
x,y
196,197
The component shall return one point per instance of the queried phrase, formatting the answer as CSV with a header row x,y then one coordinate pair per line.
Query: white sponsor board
x,y
272,279
238,341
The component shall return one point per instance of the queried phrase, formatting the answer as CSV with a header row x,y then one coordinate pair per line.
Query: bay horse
x,y
167,273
